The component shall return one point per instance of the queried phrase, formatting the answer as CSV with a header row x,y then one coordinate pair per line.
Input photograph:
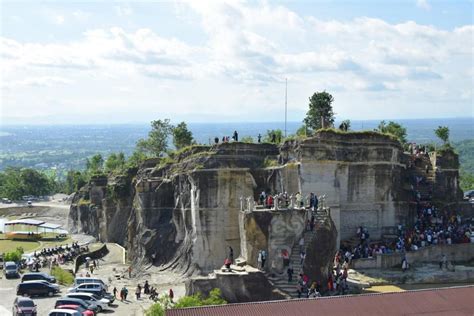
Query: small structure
x,y
32,229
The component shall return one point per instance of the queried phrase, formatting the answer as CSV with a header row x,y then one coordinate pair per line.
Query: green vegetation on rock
x,y
320,113
164,303
394,129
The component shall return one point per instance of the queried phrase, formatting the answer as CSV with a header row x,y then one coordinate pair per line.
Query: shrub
x,y
155,310
62,276
14,255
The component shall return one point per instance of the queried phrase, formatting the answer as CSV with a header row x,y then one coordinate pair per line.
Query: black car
x,y
10,269
34,276
76,301
36,288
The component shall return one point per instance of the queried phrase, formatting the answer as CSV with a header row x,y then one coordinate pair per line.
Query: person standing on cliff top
x,y
235,137
259,138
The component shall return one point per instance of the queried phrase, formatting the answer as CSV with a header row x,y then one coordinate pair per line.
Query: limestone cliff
x,y
183,212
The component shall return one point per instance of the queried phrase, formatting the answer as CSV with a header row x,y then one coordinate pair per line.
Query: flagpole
x,y
286,103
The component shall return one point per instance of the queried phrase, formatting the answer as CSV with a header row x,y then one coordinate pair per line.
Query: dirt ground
x,y
112,269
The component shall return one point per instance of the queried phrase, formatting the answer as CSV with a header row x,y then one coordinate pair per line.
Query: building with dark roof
x,y
444,301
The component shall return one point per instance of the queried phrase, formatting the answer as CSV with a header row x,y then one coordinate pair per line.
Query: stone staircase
x,y
280,281
425,188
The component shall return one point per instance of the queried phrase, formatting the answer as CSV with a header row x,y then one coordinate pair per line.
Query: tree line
x,y
18,182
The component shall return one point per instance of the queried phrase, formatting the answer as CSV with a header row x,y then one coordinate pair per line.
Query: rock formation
x,y
182,212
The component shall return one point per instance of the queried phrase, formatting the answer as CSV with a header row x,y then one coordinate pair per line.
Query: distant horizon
x,y
229,122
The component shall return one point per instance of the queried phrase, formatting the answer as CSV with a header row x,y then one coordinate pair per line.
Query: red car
x,y
80,309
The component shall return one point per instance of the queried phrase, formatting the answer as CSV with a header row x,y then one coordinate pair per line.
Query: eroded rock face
x,y
184,214
249,286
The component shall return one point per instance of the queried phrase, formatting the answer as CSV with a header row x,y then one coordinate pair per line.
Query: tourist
x,y
301,243
146,288
262,197
216,140
115,292
235,137
231,254
273,140
259,138
299,200
302,257
290,272
123,294
259,260
138,291
130,272
404,264
264,258
171,295
227,264
286,257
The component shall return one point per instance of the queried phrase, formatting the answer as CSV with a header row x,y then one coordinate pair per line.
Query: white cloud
x,y
250,48
59,19
423,4
123,11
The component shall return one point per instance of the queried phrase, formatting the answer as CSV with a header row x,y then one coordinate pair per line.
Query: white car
x,y
64,312
81,280
94,288
102,303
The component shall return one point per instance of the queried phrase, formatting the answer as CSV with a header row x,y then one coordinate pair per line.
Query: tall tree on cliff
x,y
157,141
442,132
182,137
320,113
95,164
394,129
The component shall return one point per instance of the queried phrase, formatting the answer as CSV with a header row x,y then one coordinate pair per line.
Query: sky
x,y
84,62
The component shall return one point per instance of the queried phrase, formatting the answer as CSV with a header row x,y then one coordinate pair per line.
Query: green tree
x,y
74,181
273,136
442,132
95,164
115,162
303,131
16,182
345,125
157,142
136,159
320,113
394,129
182,137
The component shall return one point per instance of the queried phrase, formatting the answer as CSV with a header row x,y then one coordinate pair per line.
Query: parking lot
x,y
114,273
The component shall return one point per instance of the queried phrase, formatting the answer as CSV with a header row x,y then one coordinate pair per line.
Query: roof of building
x,y
443,301
49,226
26,221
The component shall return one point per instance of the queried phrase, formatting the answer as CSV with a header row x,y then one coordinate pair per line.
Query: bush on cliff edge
x,y
159,308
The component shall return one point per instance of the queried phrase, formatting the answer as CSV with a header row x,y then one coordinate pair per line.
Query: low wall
x,y
455,253
96,254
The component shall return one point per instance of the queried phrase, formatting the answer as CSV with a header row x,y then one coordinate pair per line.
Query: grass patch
x,y
62,276
7,245
269,162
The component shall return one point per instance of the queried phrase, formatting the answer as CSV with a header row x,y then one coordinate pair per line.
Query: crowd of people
x,y
285,200
146,289
54,256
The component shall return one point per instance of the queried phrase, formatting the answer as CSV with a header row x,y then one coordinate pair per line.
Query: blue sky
x,y
118,62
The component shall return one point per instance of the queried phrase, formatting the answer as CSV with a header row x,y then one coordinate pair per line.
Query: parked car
x,y
468,195
75,301
64,312
35,276
102,303
10,270
94,288
44,282
23,306
79,308
35,288
82,280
